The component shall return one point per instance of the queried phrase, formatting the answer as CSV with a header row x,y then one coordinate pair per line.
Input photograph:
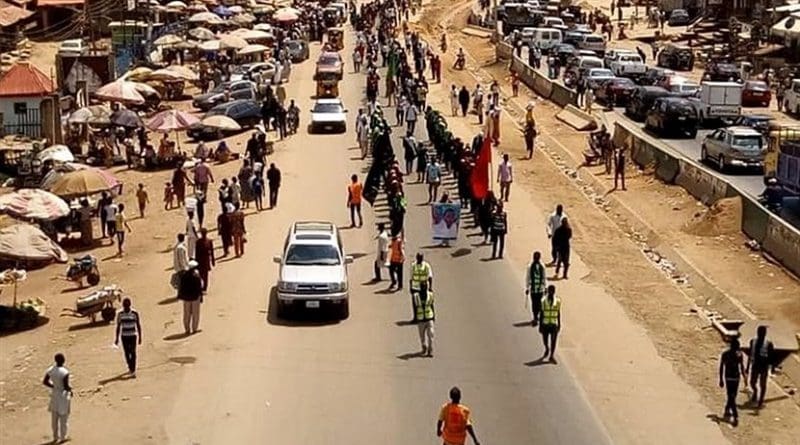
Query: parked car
x,y
680,86
722,72
328,115
654,76
246,113
756,93
298,50
676,57
594,76
253,71
734,146
679,17
577,64
628,65
616,92
313,270
672,115
554,22
240,89
613,53
592,42
563,51
73,47
758,122
642,99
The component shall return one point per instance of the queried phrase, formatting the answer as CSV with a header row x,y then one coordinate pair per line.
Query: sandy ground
x,y
610,244
626,371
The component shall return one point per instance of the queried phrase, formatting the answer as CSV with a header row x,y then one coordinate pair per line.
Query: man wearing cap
x,y
191,293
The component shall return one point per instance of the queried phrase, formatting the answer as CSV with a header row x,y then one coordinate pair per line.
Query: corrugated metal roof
x,y
24,79
10,14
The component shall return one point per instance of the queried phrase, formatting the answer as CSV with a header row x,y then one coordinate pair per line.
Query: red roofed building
x,y
22,90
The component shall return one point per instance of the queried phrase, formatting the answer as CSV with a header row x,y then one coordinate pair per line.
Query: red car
x,y
756,93
616,92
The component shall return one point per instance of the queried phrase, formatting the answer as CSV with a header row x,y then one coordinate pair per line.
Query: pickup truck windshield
x,y
312,255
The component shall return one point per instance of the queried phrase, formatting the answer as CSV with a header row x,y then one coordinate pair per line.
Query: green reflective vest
x,y
424,308
420,272
550,311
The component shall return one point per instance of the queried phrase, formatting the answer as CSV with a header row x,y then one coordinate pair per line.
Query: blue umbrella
x,y
222,11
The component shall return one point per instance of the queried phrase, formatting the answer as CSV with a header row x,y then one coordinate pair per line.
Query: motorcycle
x,y
85,266
460,61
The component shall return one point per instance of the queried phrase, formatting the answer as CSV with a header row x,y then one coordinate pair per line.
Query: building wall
x,y
14,121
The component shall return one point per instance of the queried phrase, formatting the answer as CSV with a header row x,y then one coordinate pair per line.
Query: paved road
x,y
357,382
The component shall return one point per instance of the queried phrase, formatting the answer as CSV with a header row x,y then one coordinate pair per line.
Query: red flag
x,y
479,179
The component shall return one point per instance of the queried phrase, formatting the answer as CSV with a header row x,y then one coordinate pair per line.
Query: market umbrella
x,y
183,72
26,242
251,34
59,170
126,118
56,153
120,91
205,17
144,89
201,33
197,7
84,182
138,73
167,40
164,74
33,204
285,15
263,27
187,44
243,19
221,122
176,4
253,49
228,41
222,11
171,120
93,114
236,9
210,45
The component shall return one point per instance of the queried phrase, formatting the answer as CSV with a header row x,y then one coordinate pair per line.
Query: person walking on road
x,y
433,176
382,257
202,176
354,190
191,293
57,379
412,113
758,364
530,138
421,280
274,182
180,260
535,284
499,230
561,241
463,100
397,257
553,223
204,255
191,234
142,199
454,421
424,317
731,370
454,100
550,322
238,231
129,329
121,225
619,167
505,176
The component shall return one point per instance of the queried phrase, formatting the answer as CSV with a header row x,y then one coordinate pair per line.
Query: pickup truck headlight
x,y
338,287
286,286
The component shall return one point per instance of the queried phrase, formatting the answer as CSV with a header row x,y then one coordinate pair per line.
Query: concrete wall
x,y
777,238
555,92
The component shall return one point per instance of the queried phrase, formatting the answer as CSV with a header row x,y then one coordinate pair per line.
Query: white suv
x,y
313,270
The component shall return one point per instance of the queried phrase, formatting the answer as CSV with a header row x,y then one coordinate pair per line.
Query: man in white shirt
x,y
382,258
57,379
411,118
553,223
454,105
433,175
505,176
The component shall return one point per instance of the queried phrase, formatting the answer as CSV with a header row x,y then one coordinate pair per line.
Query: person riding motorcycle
x,y
293,116
772,196
460,59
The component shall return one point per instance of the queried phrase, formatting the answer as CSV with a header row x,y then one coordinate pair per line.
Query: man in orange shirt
x,y
454,422
354,201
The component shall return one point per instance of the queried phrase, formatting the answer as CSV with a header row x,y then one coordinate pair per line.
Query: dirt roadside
x,y
609,242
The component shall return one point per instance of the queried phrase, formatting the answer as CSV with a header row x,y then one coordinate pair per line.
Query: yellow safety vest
x,y
424,309
420,272
550,311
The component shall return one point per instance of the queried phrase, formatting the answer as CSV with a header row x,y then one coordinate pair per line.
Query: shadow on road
x,y
117,378
410,355
316,318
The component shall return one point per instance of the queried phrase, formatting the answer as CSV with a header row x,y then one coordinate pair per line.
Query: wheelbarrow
x,y
100,301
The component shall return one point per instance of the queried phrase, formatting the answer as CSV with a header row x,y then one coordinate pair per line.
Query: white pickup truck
x,y
628,65
791,98
720,100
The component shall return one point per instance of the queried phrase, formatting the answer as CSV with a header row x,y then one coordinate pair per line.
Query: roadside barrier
x,y
577,118
541,85
563,96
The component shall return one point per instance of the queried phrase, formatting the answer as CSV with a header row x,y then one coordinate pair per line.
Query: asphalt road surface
x,y
358,381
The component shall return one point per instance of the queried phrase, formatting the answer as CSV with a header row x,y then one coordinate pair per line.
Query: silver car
x,y
734,146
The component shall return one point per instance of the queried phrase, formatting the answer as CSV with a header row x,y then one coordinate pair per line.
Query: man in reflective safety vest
x,y
424,318
550,321
421,280
454,422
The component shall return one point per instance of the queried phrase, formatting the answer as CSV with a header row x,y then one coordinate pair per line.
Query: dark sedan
x,y
246,113
759,122
563,51
240,89
616,92
722,72
654,76
672,115
756,93
298,50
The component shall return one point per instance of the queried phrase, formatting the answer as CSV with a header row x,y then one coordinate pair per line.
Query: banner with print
x,y
445,218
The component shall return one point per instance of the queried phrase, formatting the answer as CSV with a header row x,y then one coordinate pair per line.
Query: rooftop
x,y
24,79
